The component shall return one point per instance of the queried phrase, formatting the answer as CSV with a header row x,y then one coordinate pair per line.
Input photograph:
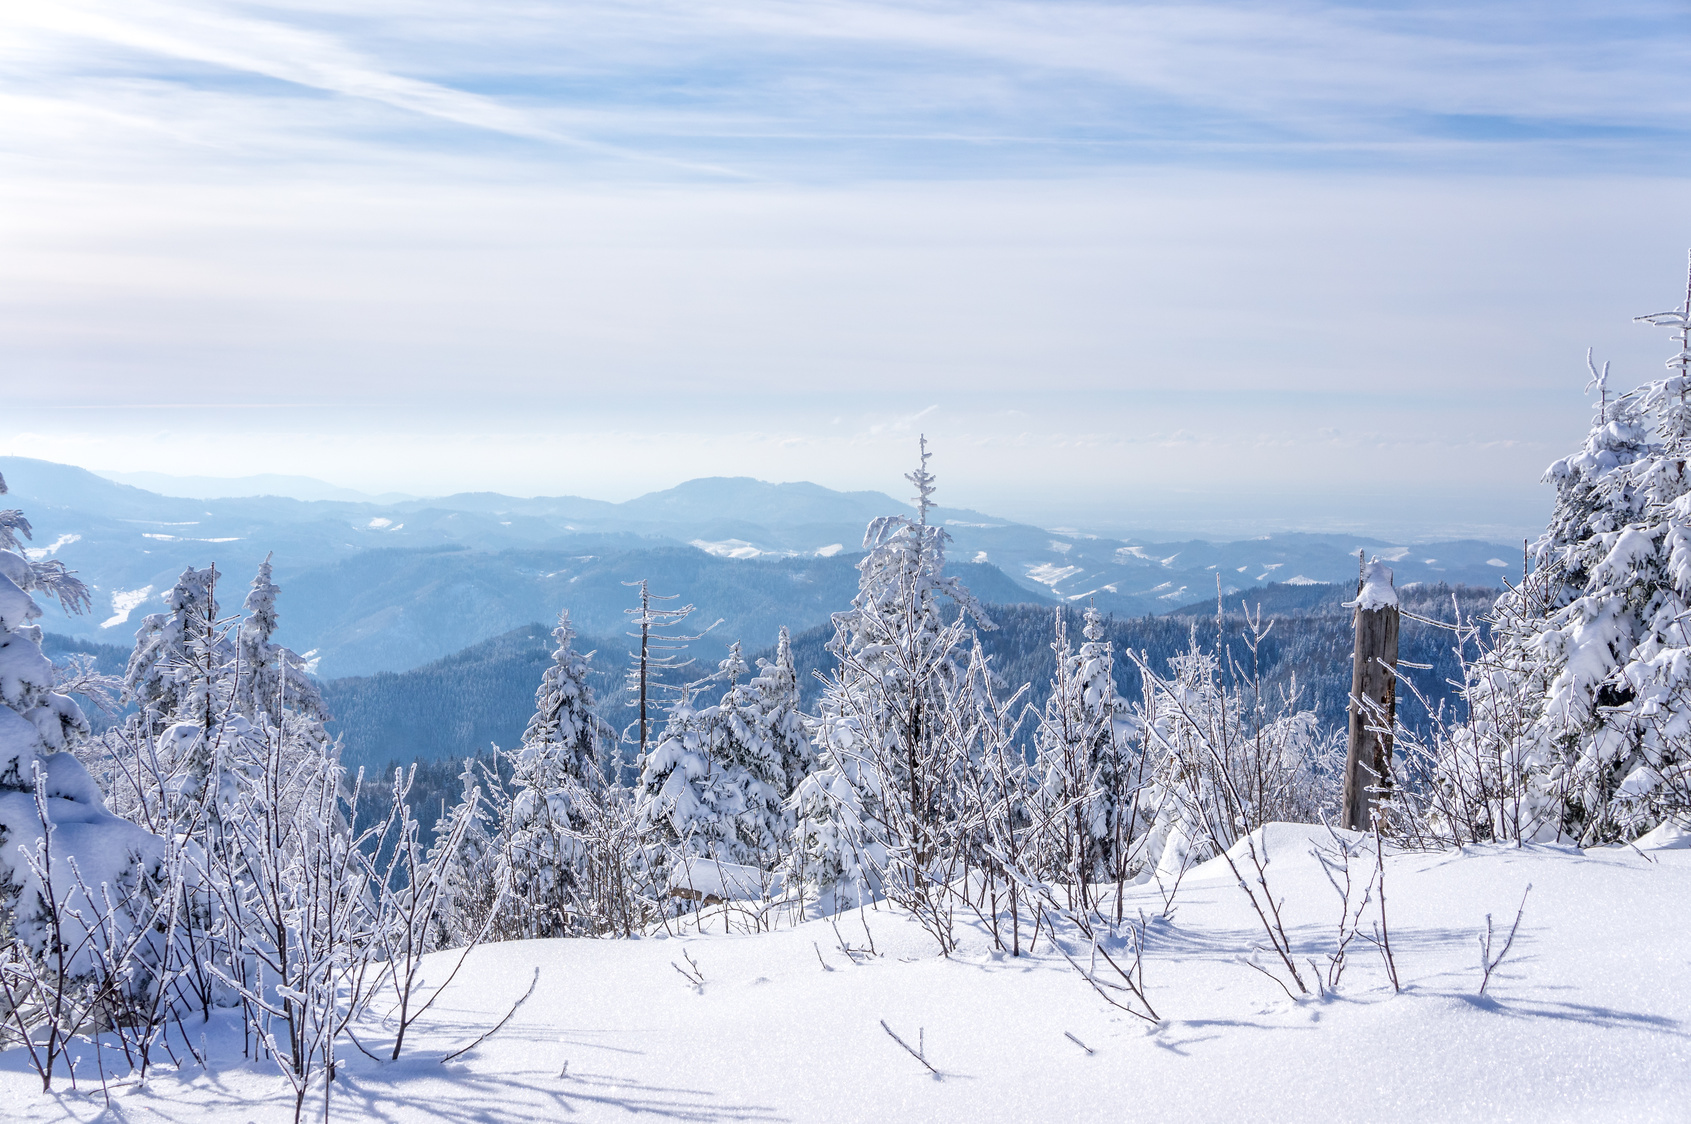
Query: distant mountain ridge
x,y
236,487
371,586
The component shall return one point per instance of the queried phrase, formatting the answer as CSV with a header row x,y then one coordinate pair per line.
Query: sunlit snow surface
x,y
37,554
739,548
124,602
1587,1019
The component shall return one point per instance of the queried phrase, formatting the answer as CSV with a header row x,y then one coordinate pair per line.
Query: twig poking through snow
x,y
695,977
825,965
1078,1042
498,1026
1487,964
913,1053
1383,935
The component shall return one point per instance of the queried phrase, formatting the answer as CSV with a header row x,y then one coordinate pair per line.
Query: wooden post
x,y
1373,695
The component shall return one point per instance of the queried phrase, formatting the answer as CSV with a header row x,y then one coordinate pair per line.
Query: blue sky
x,y
1209,267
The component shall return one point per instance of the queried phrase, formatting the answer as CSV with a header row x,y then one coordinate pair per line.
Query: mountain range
x,y
386,584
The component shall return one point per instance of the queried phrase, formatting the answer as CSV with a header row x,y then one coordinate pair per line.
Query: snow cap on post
x,y
1376,591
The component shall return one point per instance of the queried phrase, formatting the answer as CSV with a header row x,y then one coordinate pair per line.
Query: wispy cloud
x,y
980,86
303,57
1249,225
273,49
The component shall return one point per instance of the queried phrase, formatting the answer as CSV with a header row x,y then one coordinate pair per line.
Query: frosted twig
x,y
1487,964
695,977
913,1053
498,1026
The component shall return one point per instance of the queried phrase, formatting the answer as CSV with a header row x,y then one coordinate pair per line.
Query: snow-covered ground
x,y
1588,1018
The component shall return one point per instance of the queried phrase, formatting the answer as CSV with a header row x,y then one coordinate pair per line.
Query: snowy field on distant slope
x,y
1587,1019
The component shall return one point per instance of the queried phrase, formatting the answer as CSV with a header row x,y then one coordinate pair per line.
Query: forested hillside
x,y
1308,644
483,696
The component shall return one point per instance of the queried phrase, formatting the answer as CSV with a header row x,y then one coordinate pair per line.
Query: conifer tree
x,y
689,799
785,745
879,789
717,783
271,678
1085,760
178,671
558,775
72,875
1581,709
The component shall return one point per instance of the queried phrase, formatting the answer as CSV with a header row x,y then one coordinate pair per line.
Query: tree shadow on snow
x,y
1590,1014
531,1098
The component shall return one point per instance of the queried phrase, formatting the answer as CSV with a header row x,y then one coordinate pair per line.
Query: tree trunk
x,y
1373,704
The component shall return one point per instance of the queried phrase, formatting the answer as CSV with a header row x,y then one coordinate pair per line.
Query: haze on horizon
x,y
1203,267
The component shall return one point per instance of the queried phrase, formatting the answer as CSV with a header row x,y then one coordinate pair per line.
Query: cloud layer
x,y
1127,253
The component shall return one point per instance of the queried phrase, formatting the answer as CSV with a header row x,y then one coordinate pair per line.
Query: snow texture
x,y
1584,1021
711,878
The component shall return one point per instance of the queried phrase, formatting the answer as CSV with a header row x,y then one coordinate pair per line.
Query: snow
x,y
103,848
830,550
1049,573
725,881
1585,1020
1666,836
178,538
737,548
1299,579
1496,562
39,553
124,602
1377,591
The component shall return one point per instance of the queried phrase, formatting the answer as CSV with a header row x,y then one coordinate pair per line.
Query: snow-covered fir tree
x,y
270,678
1086,745
784,744
722,781
557,775
877,785
693,790
210,690
94,874
1581,710
179,669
